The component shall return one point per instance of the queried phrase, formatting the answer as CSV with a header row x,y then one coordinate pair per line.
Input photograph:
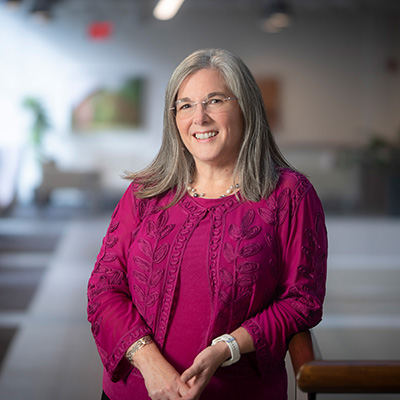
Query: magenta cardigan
x,y
266,265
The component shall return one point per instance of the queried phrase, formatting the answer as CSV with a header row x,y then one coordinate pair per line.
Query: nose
x,y
200,115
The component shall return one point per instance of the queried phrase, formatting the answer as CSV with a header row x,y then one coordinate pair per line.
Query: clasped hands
x,y
163,382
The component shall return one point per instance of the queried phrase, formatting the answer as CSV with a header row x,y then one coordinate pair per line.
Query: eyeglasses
x,y
186,109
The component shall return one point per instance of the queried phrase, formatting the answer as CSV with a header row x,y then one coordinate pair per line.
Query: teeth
x,y
205,135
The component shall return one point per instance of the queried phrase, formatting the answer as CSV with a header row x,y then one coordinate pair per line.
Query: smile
x,y
205,135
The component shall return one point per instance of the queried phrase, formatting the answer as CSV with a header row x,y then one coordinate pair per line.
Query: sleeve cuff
x,y
263,354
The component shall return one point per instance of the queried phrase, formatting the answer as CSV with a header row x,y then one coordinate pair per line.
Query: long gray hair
x,y
257,166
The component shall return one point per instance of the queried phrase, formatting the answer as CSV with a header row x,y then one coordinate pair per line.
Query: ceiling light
x,y
41,10
267,26
280,20
167,9
278,16
13,3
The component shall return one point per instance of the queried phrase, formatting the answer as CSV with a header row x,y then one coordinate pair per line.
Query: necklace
x,y
193,191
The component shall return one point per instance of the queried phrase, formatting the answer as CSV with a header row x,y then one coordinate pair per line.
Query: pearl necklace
x,y
193,192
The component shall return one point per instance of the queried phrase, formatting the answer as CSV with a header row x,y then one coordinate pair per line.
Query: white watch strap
x,y
233,347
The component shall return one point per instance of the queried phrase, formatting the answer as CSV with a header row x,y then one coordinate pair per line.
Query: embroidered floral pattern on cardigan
x,y
217,214
148,275
314,270
109,279
244,275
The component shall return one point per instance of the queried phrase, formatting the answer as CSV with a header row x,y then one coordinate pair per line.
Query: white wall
x,y
335,85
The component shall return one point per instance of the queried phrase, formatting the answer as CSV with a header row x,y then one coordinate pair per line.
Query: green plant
x,y
40,123
379,153
382,152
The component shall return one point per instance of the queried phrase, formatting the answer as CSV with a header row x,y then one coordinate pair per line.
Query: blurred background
x,y
81,100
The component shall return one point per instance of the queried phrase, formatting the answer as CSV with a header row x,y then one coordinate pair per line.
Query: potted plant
x,y
380,176
40,125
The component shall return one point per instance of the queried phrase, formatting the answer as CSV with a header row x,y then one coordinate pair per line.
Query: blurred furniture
x,y
9,165
348,376
87,182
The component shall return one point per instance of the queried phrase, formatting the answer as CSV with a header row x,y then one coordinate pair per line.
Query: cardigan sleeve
x,y
297,305
115,321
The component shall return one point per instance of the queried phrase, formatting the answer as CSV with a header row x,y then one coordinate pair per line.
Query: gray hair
x,y
259,160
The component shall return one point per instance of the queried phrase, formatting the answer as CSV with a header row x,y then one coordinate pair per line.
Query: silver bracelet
x,y
137,346
233,347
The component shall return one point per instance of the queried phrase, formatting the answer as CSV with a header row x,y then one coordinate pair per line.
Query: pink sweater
x,y
191,272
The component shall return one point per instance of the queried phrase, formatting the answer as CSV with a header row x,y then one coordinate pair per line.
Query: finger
x,y
183,390
189,374
193,394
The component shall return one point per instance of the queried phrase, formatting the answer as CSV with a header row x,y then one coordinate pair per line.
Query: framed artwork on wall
x,y
271,92
116,107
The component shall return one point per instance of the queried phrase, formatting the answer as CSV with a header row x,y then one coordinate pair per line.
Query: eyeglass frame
x,y
203,102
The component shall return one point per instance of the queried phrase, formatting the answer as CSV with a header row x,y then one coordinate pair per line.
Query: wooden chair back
x,y
333,376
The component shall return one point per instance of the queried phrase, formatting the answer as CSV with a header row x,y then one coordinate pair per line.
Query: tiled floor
x,y
52,355
18,286
7,334
24,254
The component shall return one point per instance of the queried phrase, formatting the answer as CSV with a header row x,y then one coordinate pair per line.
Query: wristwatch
x,y
233,347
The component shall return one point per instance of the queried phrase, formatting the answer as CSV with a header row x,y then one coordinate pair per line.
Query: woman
x,y
216,254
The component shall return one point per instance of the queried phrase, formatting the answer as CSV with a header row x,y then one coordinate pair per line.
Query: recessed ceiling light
x,y
167,9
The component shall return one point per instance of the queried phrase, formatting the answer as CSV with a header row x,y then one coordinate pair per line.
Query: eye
x,y
214,101
184,106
